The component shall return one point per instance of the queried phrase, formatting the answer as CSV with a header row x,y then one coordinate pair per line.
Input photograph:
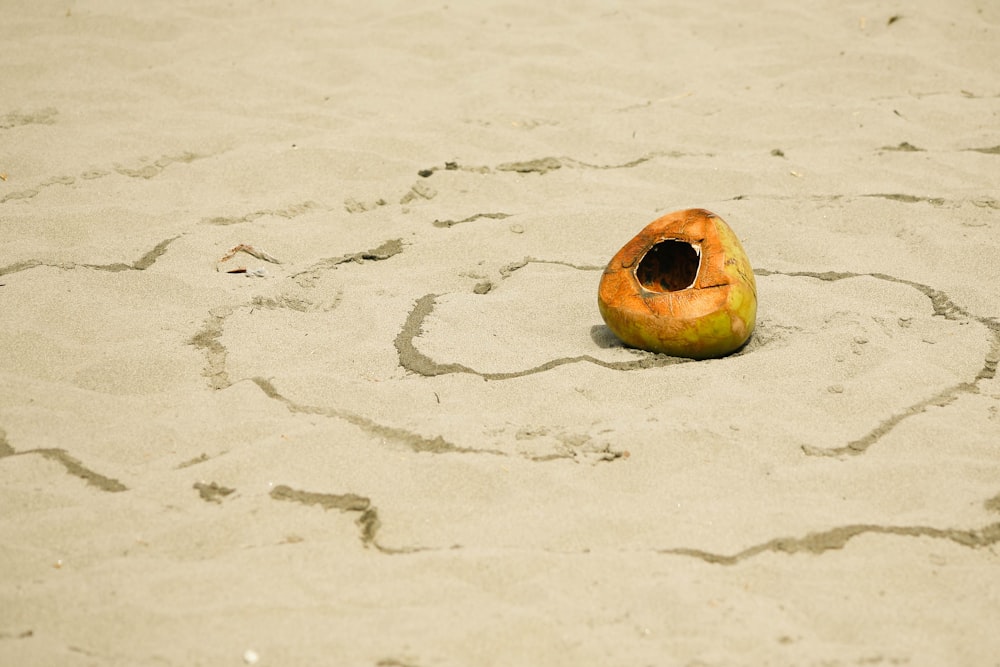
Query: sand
x,y
404,437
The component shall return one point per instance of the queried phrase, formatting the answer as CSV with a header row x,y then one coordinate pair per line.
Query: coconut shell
x,y
683,286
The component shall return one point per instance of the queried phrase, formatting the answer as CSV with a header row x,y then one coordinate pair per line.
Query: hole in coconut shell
x,y
669,266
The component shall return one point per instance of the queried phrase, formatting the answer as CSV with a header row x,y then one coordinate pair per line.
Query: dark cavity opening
x,y
668,266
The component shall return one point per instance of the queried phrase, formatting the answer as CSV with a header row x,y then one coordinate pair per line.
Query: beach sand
x,y
404,437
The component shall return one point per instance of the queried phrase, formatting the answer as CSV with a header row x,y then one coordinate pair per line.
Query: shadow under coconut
x,y
605,339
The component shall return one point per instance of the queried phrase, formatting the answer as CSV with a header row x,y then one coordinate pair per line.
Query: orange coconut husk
x,y
683,286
